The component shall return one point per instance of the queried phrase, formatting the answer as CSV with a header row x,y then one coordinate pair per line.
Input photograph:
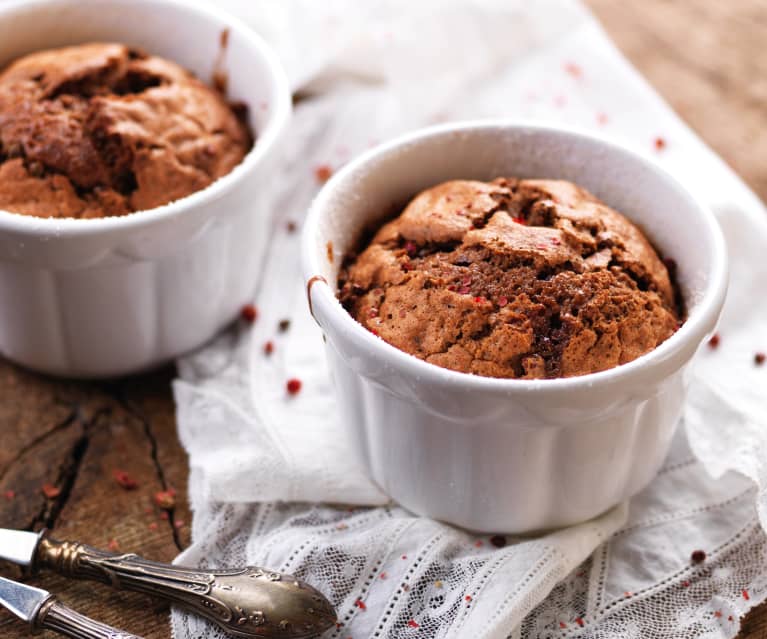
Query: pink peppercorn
x,y
249,313
573,69
323,172
293,386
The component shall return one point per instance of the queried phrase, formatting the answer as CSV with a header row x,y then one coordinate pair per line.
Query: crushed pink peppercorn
x,y
293,386
249,313
125,480
323,172
573,69
50,491
165,499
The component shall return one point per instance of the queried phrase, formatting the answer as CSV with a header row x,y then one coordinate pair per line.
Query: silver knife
x,y
40,609
247,602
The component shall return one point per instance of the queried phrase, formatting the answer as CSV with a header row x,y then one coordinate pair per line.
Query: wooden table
x,y
705,57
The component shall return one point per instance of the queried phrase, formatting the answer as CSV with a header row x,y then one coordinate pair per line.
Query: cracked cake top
x,y
512,278
97,130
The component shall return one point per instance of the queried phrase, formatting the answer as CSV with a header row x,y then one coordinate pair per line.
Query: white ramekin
x,y
509,455
102,297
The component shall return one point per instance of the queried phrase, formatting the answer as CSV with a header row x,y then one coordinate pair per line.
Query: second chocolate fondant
x,y
97,130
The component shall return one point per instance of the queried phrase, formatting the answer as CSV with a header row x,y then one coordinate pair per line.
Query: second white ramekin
x,y
103,297
509,455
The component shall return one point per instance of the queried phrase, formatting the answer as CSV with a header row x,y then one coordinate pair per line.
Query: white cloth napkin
x,y
373,70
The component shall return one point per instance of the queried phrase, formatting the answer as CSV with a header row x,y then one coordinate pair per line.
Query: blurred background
x,y
706,58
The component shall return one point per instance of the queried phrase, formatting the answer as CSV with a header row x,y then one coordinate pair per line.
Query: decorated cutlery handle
x,y
246,602
57,617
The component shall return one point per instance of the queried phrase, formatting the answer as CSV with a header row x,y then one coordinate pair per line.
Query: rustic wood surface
x,y
75,436
704,56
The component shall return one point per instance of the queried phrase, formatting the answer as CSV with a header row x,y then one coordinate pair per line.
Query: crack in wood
x,y
117,393
63,424
68,471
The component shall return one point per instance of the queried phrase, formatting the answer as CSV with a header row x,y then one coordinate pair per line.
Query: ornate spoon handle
x,y
57,617
246,602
